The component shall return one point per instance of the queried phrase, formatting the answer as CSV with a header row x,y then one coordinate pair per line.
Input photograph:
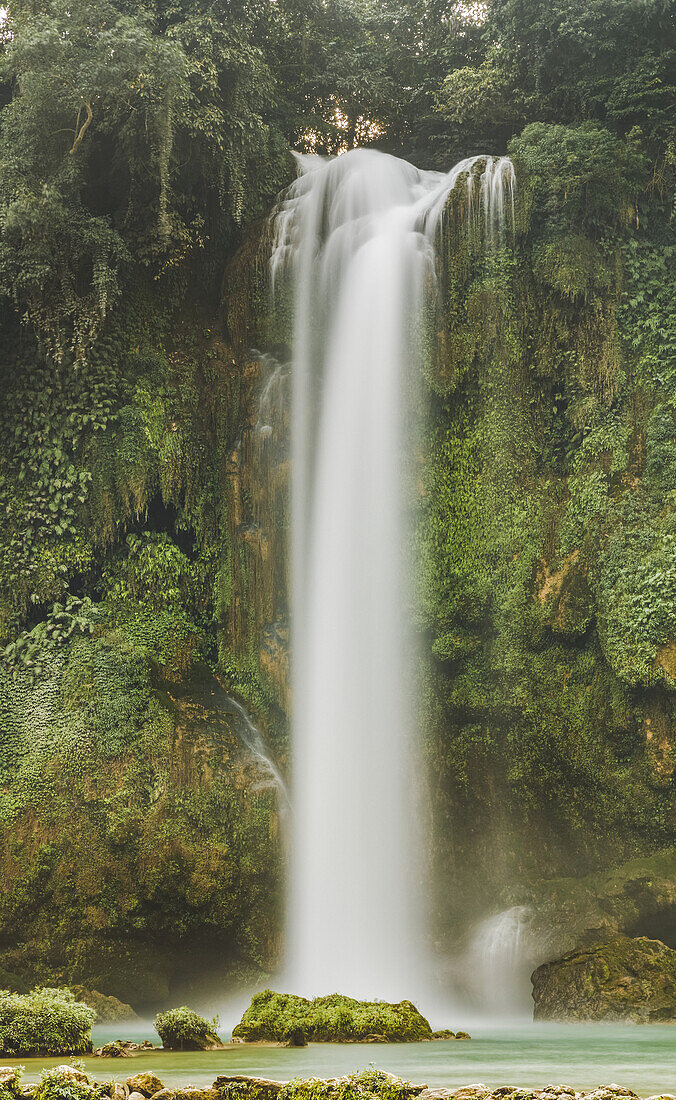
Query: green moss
x,y
338,1019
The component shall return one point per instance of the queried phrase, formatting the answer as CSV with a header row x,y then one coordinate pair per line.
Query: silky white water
x,y
499,962
355,238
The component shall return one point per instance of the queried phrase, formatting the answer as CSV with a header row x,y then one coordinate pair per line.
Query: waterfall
x,y
499,962
354,244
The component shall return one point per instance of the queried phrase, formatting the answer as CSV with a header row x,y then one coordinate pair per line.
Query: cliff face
x,y
139,835
547,533
144,530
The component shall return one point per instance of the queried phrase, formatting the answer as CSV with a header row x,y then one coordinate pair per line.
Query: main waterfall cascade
x,y
355,238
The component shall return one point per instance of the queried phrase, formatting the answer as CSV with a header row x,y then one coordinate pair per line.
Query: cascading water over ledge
x,y
355,238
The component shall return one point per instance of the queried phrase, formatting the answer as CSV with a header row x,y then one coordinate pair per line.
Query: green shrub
x,y
46,1021
334,1019
67,1083
183,1029
10,1085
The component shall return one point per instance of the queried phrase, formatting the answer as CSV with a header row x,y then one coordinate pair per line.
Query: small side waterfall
x,y
499,962
355,238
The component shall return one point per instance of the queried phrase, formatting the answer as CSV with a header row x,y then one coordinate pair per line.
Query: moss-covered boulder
x,y
146,1083
623,979
278,1017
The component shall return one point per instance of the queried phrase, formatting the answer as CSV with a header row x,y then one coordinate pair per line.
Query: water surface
x,y
642,1058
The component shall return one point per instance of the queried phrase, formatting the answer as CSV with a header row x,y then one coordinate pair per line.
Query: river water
x,y
640,1057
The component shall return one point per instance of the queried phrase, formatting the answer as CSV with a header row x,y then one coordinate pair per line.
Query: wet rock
x,y
610,1092
72,1072
146,1083
122,1048
265,1089
622,979
558,1092
115,1049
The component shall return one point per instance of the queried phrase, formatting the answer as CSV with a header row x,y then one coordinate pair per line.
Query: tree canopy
x,y
149,133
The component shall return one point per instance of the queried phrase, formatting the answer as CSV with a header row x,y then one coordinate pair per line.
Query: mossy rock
x,y
622,979
333,1019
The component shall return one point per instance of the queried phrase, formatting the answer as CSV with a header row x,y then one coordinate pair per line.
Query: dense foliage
x,y
335,1019
46,1021
142,528
184,1029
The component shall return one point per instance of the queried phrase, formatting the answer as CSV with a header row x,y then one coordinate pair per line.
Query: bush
x,y
333,1019
67,1083
183,1029
46,1021
10,1083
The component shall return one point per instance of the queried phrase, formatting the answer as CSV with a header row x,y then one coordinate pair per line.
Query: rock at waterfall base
x,y
335,1019
622,979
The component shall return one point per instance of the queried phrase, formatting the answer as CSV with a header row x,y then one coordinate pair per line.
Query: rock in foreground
x,y
622,979
277,1017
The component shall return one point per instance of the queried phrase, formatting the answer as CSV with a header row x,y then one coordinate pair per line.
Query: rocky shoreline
x,y
71,1081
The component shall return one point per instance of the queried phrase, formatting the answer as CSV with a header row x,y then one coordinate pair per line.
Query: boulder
x,y
136,1095
146,1083
265,1089
114,1049
611,1092
621,979
108,1009
72,1072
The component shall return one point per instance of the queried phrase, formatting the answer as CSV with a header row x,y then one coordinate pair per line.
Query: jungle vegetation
x,y
142,144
